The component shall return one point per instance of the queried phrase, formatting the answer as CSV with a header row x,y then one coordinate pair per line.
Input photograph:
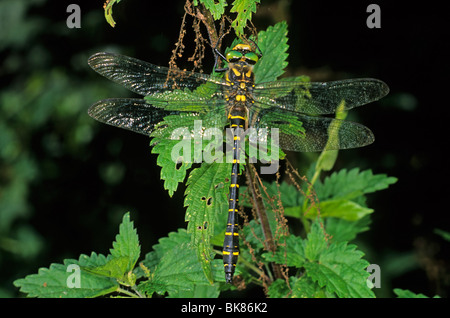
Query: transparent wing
x,y
159,83
317,98
139,116
128,113
298,132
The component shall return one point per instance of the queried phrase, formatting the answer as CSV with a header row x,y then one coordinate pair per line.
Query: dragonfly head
x,y
242,53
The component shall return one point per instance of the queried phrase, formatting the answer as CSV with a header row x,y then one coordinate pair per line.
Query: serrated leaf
x,y
342,230
351,184
206,197
341,270
244,9
57,280
173,170
127,243
405,293
273,44
343,209
165,244
216,9
299,287
175,268
305,287
114,267
293,255
337,267
179,270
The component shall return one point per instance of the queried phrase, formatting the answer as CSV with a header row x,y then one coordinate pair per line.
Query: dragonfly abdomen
x,y
231,241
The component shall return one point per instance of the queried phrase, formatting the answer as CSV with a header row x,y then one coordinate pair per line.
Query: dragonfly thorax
x,y
239,96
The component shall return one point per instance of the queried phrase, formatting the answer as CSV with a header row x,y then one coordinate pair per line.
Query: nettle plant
x,y
296,245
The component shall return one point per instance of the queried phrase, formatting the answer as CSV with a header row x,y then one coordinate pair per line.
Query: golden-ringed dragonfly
x,y
239,101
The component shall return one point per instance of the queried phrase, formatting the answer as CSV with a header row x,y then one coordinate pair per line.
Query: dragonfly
x,y
239,101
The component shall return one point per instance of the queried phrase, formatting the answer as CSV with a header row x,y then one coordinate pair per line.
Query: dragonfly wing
x,y
147,79
128,113
316,98
298,132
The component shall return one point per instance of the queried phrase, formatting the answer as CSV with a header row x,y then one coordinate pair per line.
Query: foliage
x,y
318,259
323,264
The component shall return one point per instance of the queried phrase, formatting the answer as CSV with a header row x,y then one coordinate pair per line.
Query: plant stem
x,y
127,292
262,216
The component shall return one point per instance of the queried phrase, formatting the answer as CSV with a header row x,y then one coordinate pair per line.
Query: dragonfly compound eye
x,y
251,57
233,56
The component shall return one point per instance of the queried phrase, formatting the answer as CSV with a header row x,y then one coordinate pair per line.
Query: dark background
x,y
66,180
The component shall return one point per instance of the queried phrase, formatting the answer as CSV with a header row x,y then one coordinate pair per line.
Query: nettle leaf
x,y
299,287
124,255
179,270
344,209
90,276
216,9
173,170
341,195
244,10
165,244
337,267
175,269
206,198
351,184
127,243
405,293
343,230
69,280
186,138
273,44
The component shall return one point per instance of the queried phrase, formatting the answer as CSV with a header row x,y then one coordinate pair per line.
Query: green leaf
x,y
343,230
293,255
244,9
173,170
273,44
108,12
351,184
216,9
327,158
337,267
344,209
69,280
127,243
405,293
113,268
176,270
179,270
206,197
305,287
444,234
165,244
124,255
299,287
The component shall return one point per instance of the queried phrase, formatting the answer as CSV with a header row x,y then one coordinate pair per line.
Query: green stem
x,y
127,292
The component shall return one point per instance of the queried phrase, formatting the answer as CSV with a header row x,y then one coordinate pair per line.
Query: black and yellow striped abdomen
x,y
231,241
